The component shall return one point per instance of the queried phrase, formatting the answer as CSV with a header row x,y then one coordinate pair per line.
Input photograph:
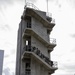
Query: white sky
x,y
64,31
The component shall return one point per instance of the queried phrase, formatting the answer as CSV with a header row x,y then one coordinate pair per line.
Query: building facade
x,y
1,61
34,44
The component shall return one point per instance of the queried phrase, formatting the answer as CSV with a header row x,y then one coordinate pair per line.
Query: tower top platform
x,y
32,6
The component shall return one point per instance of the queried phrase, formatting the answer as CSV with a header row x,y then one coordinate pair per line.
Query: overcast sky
x,y
64,31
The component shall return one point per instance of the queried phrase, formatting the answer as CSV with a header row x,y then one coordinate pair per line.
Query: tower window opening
x,y
28,45
28,25
27,66
28,18
26,42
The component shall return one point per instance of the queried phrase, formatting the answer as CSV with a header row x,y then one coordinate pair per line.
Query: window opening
x,y
27,67
28,18
26,42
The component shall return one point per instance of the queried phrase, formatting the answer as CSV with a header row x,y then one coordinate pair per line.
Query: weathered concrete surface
x,y
36,68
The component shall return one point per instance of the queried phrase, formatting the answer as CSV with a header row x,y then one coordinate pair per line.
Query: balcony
x,y
34,12
41,58
30,31
53,40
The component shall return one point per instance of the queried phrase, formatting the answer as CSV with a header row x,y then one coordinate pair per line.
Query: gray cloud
x,y
12,1
59,4
5,3
52,0
67,68
72,35
11,50
70,68
6,71
73,50
67,62
72,2
5,27
13,73
32,0
56,2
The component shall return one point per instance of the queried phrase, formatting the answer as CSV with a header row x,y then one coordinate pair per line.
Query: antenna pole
x,y
25,1
47,5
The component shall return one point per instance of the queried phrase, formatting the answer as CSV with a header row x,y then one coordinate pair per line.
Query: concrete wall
x,y
41,13
1,61
22,68
37,68
39,45
40,29
20,45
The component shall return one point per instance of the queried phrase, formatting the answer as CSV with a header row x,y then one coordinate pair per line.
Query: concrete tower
x,y
34,45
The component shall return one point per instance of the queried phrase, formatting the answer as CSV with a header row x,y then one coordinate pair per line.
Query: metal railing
x,y
48,14
39,53
30,5
53,20
55,64
27,48
53,40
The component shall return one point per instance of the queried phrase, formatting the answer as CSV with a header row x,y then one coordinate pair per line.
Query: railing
x,y
30,5
39,53
53,20
55,64
53,40
48,14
